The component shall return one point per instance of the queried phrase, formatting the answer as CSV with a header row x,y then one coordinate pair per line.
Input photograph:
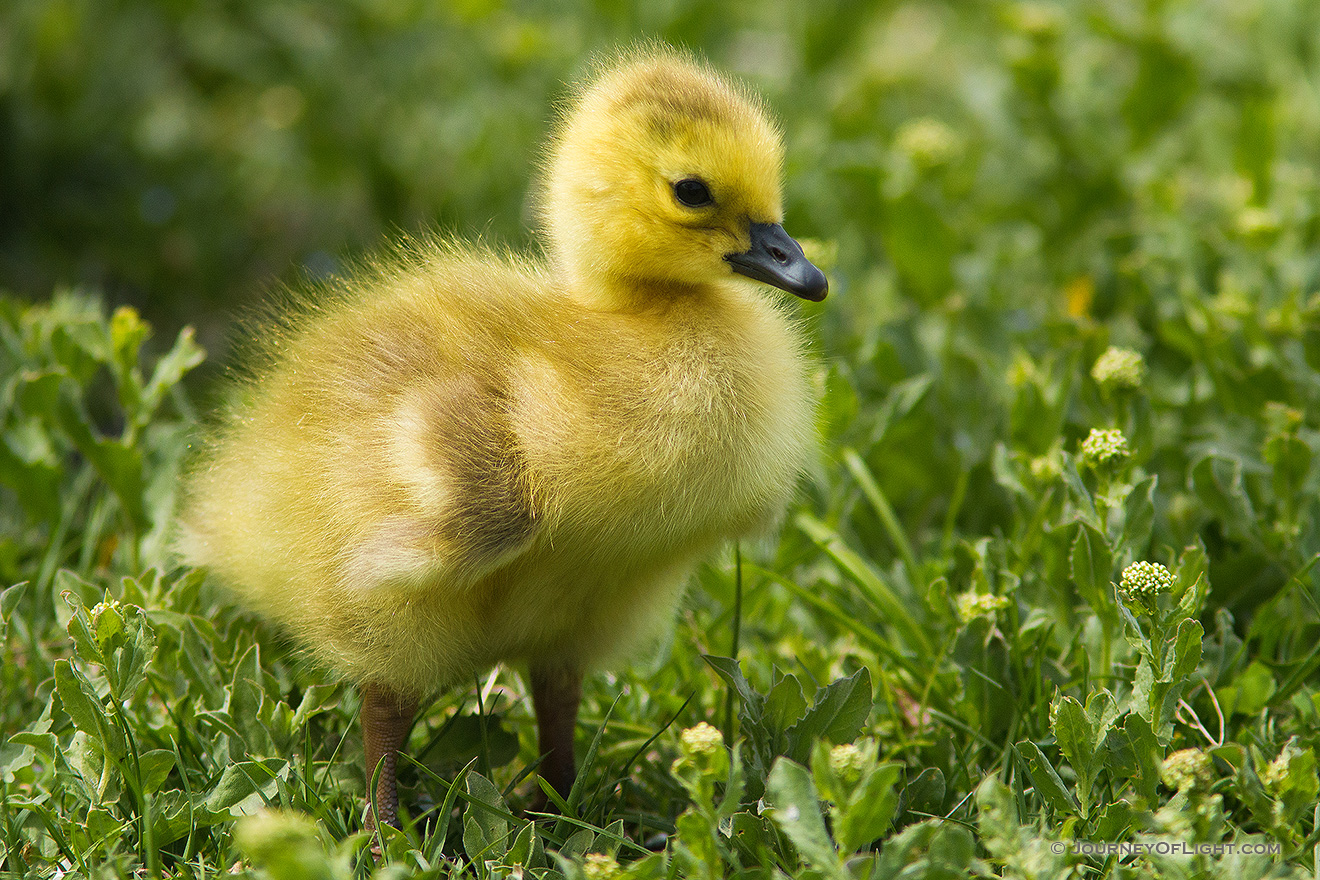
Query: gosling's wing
x,y
373,446
457,503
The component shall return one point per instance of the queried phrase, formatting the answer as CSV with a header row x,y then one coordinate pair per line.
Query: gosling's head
x,y
664,174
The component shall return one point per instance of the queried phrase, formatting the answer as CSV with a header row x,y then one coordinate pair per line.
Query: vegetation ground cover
x,y
1051,582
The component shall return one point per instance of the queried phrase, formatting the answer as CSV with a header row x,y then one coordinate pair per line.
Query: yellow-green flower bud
x,y
1276,776
847,762
1190,769
1045,468
108,624
701,740
597,866
1102,446
1142,582
1119,368
972,605
101,607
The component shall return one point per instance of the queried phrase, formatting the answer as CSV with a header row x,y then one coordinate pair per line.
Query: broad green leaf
x,y
1249,693
102,827
246,786
155,766
44,743
1114,821
98,777
1190,579
200,667
81,348
867,818
1080,494
917,846
1071,730
108,627
520,853
468,735
84,707
1081,734
246,697
485,830
925,793
751,714
1092,565
33,477
729,670
277,720
81,631
1218,482
578,845
136,646
9,599
37,391
837,715
736,787
316,699
1045,778
1147,756
1157,693
785,705
795,808
1139,516
1182,660
1192,600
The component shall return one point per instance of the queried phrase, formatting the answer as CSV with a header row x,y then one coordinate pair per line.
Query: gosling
x,y
456,458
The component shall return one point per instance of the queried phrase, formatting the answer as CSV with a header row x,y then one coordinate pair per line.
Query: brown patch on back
x,y
474,445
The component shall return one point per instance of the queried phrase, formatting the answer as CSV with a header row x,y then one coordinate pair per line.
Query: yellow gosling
x,y
455,457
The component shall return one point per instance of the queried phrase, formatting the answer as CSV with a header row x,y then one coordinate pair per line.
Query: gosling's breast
x,y
686,427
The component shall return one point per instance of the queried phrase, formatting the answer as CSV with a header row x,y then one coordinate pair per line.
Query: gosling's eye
x,y
692,192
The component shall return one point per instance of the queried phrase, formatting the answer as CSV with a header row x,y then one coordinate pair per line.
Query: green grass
x,y
946,664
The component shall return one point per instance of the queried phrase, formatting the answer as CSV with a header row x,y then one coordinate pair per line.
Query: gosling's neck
x,y
635,296
603,283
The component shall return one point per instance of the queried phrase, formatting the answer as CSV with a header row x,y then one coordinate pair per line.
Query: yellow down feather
x,y
455,457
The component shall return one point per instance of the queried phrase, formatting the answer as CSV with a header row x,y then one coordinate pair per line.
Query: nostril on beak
x,y
779,255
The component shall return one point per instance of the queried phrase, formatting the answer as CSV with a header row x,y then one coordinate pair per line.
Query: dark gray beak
x,y
776,259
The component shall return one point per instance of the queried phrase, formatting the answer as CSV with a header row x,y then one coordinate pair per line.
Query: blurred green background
x,y
183,156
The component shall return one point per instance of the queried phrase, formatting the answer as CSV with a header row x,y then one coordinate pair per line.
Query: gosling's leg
x,y
556,693
386,717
